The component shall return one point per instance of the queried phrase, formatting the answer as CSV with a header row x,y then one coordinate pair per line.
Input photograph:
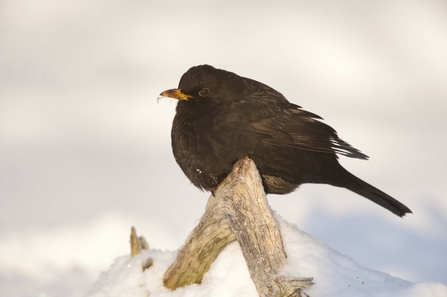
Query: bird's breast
x,y
199,155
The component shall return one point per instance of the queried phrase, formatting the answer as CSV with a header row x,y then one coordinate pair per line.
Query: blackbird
x,y
222,117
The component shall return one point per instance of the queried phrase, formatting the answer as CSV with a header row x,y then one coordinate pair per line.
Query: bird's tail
x,y
343,178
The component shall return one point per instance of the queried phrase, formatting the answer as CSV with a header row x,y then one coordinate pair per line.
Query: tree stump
x,y
238,210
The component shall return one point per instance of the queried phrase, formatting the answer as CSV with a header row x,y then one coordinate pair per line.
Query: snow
x,y
334,274
67,259
85,147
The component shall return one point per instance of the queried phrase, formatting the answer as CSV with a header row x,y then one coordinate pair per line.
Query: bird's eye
x,y
204,92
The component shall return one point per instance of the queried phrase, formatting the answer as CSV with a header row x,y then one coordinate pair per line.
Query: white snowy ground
x,y
85,147
335,274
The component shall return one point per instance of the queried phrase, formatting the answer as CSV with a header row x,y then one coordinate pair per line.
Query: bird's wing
x,y
290,126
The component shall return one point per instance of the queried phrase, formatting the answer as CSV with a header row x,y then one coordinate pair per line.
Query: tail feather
x,y
345,179
366,190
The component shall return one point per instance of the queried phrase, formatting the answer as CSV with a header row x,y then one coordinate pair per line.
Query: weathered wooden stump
x,y
238,211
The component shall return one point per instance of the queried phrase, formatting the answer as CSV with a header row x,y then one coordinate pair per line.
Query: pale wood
x,y
238,210
201,248
143,243
137,243
134,243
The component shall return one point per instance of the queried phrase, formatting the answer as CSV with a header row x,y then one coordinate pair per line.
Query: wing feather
x,y
297,128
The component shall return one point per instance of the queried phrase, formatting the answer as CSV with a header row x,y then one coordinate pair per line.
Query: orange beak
x,y
176,94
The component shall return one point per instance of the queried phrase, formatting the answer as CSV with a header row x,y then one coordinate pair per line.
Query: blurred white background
x,y
85,147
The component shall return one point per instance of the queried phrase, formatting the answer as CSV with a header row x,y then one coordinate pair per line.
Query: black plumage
x,y
222,117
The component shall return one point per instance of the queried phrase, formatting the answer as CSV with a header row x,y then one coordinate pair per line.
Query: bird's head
x,y
204,86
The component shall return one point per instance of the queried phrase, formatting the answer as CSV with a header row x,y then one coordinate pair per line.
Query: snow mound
x,y
334,274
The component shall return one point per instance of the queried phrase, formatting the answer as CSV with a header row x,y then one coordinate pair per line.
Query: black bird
x,y
222,117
